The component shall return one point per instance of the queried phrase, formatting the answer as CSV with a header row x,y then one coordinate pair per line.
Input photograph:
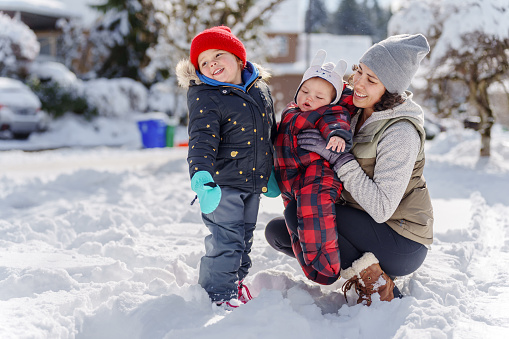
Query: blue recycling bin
x,y
153,132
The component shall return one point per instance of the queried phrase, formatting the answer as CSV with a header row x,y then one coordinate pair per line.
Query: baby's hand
x,y
336,144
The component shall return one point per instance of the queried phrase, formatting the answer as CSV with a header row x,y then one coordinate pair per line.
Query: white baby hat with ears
x,y
328,71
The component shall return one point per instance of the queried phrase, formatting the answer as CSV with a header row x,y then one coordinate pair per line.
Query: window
x,y
282,46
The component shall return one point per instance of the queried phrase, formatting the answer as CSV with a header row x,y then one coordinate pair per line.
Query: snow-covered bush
x,y
167,97
59,90
54,71
18,46
57,100
116,97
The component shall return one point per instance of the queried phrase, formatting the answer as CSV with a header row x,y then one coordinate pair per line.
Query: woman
x,y
386,220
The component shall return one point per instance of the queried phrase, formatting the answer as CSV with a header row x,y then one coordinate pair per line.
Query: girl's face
x,y
315,93
220,65
368,89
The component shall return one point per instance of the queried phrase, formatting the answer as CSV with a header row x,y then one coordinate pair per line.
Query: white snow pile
x,y
103,243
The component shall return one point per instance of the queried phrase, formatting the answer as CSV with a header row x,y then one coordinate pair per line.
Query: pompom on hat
x,y
219,37
328,71
396,59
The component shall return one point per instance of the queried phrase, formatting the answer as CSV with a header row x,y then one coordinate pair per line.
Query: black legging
x,y
357,233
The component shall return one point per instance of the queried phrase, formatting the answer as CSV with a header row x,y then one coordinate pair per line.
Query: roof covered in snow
x,y
51,8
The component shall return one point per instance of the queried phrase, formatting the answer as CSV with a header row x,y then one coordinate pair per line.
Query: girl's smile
x,y
220,65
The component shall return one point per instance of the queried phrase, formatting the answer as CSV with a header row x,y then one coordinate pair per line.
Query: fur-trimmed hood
x,y
186,73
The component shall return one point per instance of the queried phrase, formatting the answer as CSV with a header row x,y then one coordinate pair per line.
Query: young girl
x,y
230,157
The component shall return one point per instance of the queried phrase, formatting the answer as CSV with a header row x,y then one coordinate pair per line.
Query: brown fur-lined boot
x,y
368,279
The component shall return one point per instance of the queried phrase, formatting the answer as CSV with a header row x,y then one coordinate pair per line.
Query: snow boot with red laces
x,y
244,297
244,294
369,280
229,305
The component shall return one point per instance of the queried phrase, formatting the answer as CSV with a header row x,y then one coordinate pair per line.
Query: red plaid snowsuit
x,y
308,178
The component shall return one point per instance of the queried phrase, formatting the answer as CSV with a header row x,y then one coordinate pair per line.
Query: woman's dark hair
x,y
387,101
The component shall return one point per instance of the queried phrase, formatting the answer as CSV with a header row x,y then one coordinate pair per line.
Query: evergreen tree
x,y
379,17
121,38
316,17
351,19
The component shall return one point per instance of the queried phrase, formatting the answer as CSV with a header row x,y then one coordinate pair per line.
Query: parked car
x,y
20,110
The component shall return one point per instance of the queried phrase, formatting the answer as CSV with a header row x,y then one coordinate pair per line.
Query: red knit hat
x,y
219,37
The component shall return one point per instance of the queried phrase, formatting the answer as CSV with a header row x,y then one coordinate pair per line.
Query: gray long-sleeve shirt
x,y
397,152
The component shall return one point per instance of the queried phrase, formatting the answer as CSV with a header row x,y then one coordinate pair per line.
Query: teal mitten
x,y
273,190
208,192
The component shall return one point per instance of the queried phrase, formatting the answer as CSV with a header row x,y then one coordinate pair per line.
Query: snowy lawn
x,y
103,243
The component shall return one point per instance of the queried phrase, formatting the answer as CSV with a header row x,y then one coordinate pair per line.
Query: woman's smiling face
x,y
368,89
220,65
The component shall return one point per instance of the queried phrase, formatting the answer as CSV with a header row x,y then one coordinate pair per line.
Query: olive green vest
x,y
413,217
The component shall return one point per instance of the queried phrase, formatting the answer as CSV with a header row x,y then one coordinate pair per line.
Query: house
x,y
41,16
295,49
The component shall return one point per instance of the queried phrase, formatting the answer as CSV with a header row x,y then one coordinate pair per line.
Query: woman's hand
x,y
311,140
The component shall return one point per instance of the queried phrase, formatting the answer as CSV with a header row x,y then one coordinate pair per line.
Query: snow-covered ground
x,y
101,242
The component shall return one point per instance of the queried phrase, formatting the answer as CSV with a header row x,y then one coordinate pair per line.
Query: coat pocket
x,y
233,163
233,152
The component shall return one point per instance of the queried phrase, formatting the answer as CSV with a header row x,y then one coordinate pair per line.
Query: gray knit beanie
x,y
328,71
396,59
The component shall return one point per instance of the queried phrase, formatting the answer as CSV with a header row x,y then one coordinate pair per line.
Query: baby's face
x,y
221,66
315,93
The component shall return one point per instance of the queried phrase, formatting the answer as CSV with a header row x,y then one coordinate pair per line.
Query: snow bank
x,y
102,243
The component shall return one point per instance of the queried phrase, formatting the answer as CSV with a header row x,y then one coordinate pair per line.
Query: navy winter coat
x,y
231,128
